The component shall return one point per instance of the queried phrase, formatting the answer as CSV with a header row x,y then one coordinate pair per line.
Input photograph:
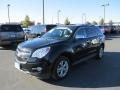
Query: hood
x,y
38,42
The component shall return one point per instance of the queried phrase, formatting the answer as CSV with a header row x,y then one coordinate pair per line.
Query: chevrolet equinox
x,y
55,52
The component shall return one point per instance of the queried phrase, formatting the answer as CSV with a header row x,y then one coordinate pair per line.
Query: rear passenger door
x,y
93,39
80,45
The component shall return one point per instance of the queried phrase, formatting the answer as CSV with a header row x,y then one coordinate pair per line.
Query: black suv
x,y
11,33
55,52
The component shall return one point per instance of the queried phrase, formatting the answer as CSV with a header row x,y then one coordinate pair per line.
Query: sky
x,y
73,9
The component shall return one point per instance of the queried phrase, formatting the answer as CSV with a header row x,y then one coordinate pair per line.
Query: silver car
x,y
11,33
39,30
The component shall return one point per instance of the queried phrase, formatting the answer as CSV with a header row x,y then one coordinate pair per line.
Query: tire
x,y
100,52
61,68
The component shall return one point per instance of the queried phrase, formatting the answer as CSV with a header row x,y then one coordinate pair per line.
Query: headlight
x,y
39,53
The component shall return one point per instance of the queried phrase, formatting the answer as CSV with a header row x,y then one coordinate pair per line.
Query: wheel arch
x,y
64,54
102,44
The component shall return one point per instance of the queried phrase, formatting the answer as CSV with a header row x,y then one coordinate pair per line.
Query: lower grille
x,y
21,59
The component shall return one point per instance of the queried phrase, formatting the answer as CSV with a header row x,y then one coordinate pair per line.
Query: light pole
x,y
58,16
104,6
83,18
43,12
8,12
52,20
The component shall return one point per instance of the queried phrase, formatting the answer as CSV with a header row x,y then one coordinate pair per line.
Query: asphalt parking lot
x,y
104,74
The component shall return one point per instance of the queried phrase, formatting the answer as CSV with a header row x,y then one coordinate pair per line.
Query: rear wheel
x,y
61,68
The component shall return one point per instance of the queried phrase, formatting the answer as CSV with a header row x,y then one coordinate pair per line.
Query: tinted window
x,y
18,28
4,28
91,32
49,27
11,28
81,32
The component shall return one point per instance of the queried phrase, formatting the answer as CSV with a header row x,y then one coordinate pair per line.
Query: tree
x,y
110,22
88,22
26,22
94,23
101,22
66,22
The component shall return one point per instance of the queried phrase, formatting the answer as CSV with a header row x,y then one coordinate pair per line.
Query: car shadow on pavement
x,y
112,36
9,47
93,73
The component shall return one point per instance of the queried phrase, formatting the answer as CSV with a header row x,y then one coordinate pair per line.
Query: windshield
x,y
58,33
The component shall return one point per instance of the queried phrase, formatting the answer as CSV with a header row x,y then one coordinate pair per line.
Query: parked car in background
x,y
107,29
26,30
118,29
115,29
55,52
11,33
38,30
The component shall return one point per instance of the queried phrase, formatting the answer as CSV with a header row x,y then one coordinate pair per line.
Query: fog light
x,y
39,69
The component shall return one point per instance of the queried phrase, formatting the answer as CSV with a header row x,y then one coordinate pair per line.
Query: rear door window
x,y
91,32
81,32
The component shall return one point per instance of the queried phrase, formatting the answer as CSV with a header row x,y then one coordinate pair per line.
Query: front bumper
x,y
40,69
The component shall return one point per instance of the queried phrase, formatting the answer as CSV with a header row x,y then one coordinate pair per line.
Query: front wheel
x,y
100,52
61,68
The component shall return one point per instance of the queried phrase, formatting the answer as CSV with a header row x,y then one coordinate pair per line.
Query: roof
x,y
10,24
75,26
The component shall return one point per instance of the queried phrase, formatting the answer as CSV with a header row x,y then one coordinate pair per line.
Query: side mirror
x,y
79,36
